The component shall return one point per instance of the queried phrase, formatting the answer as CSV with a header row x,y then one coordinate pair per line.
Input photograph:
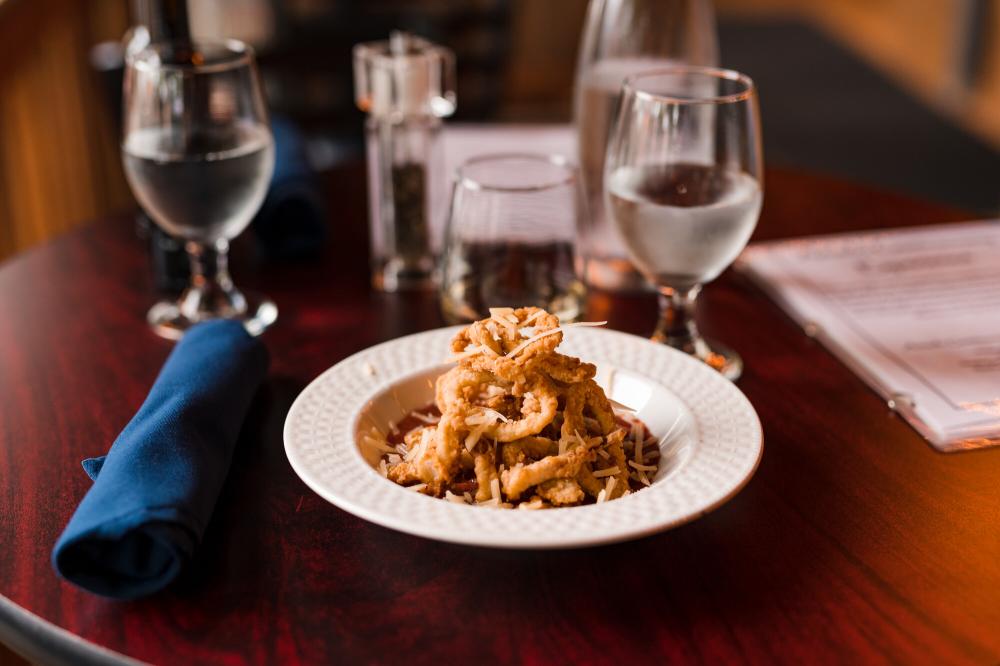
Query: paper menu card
x,y
465,141
915,312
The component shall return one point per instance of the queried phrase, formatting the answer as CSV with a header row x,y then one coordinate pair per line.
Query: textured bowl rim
x,y
504,528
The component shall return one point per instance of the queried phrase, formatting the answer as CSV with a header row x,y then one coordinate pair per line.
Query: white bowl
x,y
709,438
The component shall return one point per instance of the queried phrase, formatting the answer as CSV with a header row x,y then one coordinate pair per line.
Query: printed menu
x,y
915,312
465,141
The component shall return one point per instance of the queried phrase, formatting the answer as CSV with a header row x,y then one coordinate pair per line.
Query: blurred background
x,y
902,94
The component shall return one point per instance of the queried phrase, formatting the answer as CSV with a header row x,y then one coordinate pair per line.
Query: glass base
x,y
399,275
170,319
720,357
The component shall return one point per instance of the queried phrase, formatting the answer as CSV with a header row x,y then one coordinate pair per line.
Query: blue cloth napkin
x,y
154,492
291,223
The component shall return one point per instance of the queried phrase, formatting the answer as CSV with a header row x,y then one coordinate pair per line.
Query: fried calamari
x,y
520,424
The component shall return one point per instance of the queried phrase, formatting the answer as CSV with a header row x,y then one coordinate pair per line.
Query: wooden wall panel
x,y
58,155
916,42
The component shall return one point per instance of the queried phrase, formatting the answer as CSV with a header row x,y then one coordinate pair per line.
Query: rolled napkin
x,y
291,223
155,490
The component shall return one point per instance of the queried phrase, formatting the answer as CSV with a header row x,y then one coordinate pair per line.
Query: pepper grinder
x,y
406,85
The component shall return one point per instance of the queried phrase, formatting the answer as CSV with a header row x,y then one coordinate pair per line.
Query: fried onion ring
x,y
515,481
516,413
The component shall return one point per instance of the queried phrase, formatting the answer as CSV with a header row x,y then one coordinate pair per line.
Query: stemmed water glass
x,y
623,37
198,155
684,186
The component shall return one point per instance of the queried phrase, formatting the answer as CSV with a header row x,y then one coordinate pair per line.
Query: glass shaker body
x,y
404,172
406,85
624,37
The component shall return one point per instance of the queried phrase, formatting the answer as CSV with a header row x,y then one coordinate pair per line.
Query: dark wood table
x,y
855,541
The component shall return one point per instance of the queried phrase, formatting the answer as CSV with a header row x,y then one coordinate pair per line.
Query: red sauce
x,y
411,422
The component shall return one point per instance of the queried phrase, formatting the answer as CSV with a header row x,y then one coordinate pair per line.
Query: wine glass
x,y
684,186
198,155
623,37
511,239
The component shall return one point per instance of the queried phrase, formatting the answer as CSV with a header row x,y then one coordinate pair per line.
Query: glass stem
x,y
211,292
676,326
209,265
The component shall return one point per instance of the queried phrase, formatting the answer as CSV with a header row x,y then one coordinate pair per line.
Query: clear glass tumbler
x,y
684,186
198,155
511,238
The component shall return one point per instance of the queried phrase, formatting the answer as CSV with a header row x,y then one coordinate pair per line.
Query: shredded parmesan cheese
x,y
417,488
552,331
473,437
607,471
505,317
491,326
485,417
533,317
620,407
377,441
414,452
452,497
644,468
471,350
425,437
426,418
495,415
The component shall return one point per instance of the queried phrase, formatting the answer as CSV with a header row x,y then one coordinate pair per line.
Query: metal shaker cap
x,y
404,76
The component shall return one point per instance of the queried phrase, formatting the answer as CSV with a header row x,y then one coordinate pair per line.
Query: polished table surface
x,y
855,540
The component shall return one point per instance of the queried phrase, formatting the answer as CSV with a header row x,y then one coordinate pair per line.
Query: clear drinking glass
x,y
620,38
684,186
510,239
198,154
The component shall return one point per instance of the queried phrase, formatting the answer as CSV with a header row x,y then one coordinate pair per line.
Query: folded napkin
x,y
291,223
155,490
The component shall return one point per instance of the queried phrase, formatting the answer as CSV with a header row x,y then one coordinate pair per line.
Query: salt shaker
x,y
406,85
